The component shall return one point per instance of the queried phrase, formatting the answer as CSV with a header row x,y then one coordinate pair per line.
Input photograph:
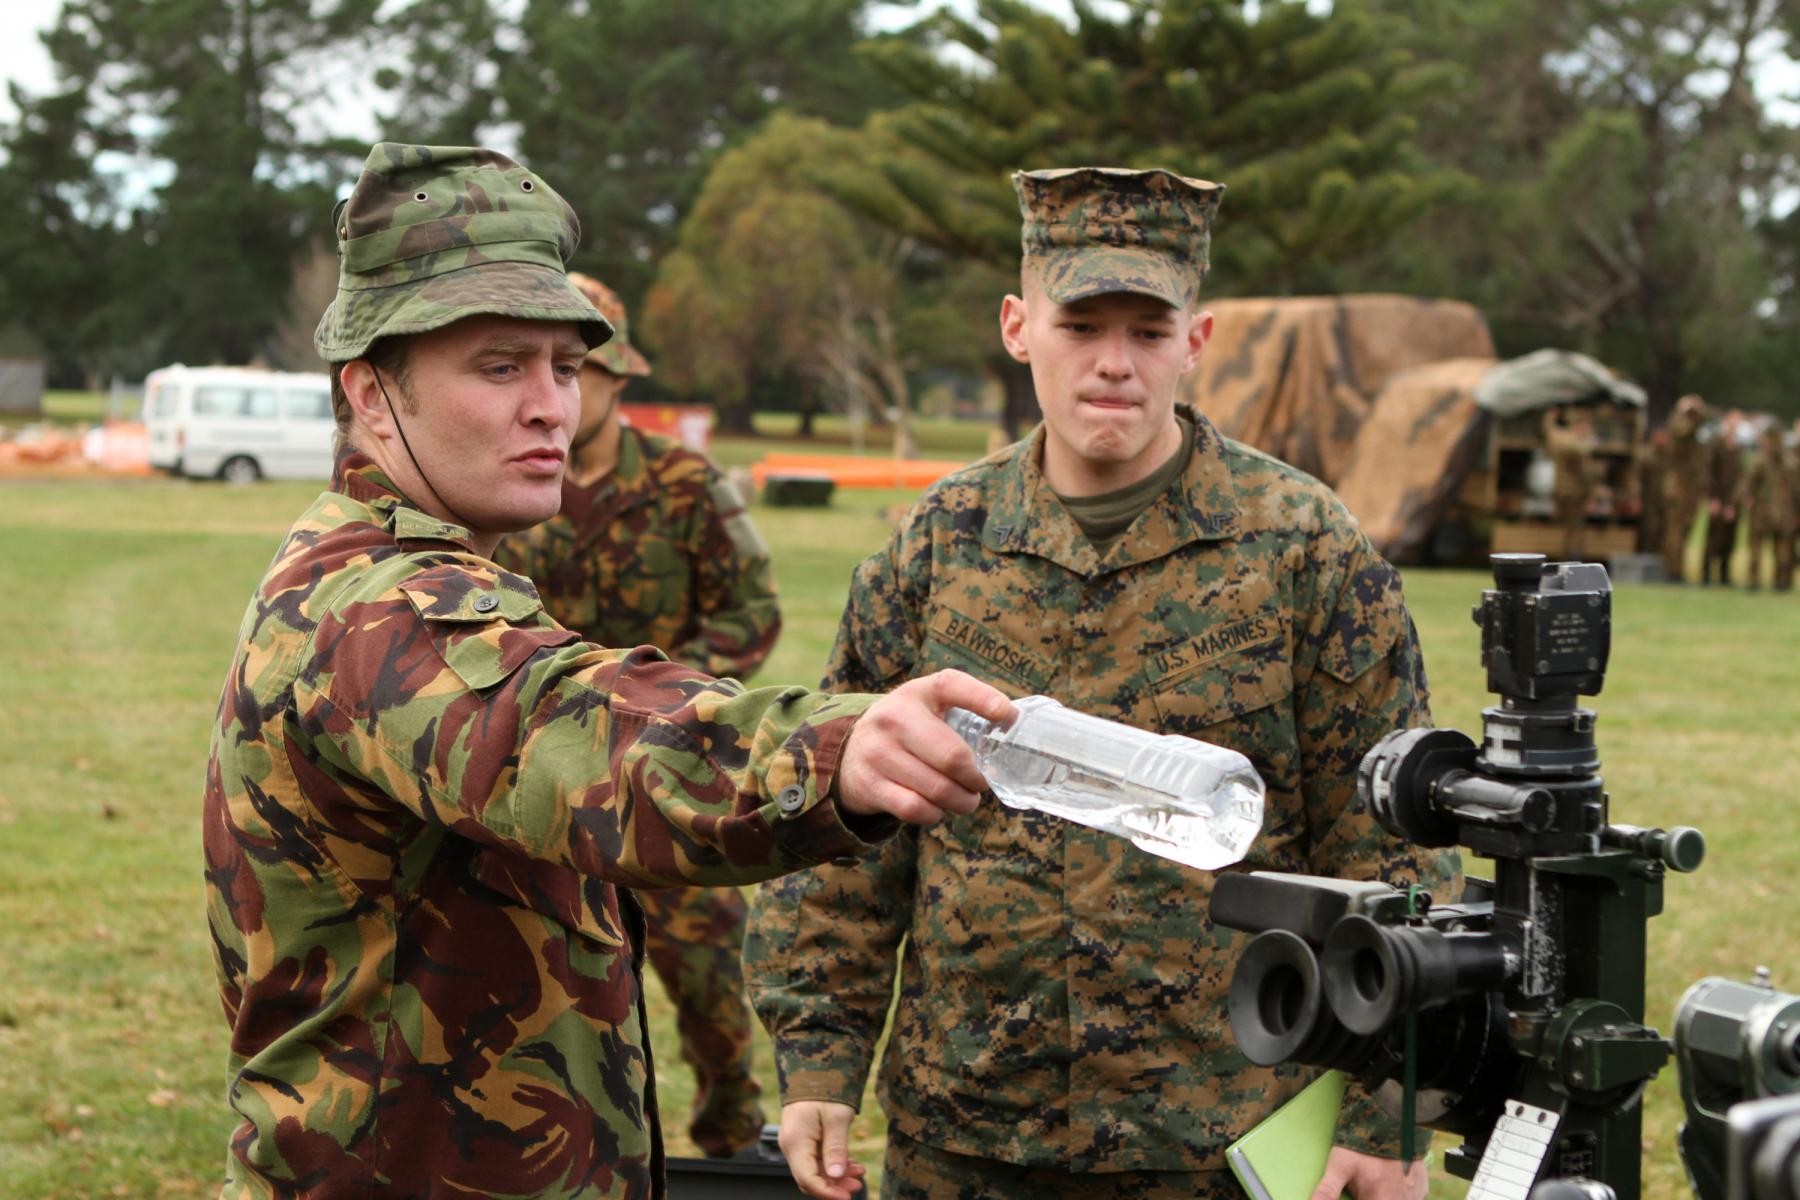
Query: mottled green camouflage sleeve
x,y
1362,676
821,946
734,585
820,953
449,691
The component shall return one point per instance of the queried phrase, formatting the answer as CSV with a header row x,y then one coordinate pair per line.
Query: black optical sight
x,y
1527,994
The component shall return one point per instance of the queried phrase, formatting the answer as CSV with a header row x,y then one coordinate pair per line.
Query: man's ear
x,y
1012,327
368,407
1199,333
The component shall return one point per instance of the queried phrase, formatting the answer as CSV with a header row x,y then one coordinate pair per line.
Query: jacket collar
x,y
356,476
1027,518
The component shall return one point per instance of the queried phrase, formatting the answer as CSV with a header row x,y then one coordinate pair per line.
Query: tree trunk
x,y
809,406
733,419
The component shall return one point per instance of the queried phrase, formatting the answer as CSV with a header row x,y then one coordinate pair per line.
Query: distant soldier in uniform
x,y
653,547
1684,470
1570,443
1060,1026
423,791
1724,484
1771,498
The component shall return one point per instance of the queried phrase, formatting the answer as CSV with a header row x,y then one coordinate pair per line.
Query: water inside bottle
x,y
1172,805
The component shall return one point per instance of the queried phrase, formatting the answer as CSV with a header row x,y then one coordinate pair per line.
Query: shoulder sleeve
x,y
820,954
878,639
737,618
450,692
822,945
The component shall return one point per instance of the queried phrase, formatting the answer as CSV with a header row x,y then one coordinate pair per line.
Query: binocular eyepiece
x,y
1330,990
1376,975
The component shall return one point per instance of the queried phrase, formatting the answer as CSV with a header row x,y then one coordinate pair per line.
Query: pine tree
x,y
192,187
1631,181
1305,116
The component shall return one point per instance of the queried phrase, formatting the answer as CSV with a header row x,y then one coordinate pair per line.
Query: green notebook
x,y
1283,1158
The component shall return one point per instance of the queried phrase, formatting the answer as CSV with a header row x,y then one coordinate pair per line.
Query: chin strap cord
x,y
409,450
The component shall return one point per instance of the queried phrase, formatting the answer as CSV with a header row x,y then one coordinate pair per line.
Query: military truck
x,y
1402,406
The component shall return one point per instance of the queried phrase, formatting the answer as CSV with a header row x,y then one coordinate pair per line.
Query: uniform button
x,y
791,799
487,602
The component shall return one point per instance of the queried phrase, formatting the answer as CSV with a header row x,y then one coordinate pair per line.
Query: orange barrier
x,y
849,471
117,448
689,423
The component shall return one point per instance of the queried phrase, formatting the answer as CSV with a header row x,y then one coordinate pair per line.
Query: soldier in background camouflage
x,y
1724,487
422,791
652,546
1684,464
1570,443
1771,500
1061,1022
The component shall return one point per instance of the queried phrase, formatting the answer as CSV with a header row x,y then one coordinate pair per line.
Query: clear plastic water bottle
x,y
1184,799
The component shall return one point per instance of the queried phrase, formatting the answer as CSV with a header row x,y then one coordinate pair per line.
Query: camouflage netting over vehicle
x,y
1401,405
1421,440
1297,377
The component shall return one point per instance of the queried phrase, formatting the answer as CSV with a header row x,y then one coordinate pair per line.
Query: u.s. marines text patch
x,y
1185,657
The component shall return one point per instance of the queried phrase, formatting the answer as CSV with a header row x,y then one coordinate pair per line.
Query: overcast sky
x,y
22,57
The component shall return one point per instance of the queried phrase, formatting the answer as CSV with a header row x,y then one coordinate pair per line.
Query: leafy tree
x,y
625,104
445,83
204,103
773,278
1631,178
67,244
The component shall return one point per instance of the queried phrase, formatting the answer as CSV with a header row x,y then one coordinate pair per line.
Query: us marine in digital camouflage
x,y
652,547
1061,1026
422,790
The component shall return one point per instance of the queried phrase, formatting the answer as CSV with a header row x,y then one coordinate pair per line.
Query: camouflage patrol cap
x,y
618,355
1094,230
432,234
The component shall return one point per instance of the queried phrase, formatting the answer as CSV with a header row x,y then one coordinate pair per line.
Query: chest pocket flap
x,y
1369,619
1227,673
978,647
485,624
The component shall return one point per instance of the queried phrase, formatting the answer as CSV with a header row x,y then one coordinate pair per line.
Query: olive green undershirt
x,y
1106,517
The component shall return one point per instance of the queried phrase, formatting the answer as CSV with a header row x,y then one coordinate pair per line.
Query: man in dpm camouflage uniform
x,y
1569,438
652,547
1061,1023
1769,496
1724,488
1684,463
422,790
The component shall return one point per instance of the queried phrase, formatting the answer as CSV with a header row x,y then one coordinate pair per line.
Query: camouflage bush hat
x,y
1094,230
432,234
618,355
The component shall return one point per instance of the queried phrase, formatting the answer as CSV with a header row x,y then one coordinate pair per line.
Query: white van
x,y
239,424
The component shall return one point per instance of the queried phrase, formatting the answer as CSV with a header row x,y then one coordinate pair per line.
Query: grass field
x,y
116,630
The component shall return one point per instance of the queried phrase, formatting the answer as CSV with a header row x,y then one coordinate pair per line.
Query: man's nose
x,y
543,400
1115,356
